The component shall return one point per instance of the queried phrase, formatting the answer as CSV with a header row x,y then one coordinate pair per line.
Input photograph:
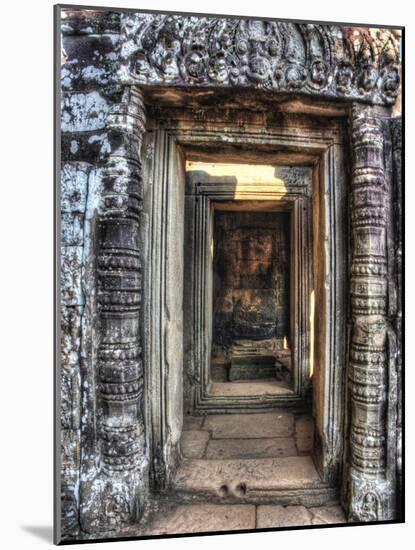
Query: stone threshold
x,y
284,480
257,388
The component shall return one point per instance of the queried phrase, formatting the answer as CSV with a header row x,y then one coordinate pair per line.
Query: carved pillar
x,y
370,483
117,493
397,206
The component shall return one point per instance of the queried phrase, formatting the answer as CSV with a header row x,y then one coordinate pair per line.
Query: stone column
x,y
370,487
397,207
116,496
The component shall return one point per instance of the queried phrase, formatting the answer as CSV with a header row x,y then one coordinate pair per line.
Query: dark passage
x,y
251,296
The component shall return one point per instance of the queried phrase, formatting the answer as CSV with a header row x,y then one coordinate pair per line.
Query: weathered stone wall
x,y
87,94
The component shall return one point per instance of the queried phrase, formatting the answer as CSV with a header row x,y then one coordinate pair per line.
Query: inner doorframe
x,y
166,141
205,194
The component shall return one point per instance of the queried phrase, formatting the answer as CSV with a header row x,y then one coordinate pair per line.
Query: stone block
x,y
71,275
327,515
83,112
250,425
70,399
86,147
192,422
70,335
90,21
200,518
282,516
74,186
251,388
252,367
90,62
304,433
251,448
243,478
72,229
193,443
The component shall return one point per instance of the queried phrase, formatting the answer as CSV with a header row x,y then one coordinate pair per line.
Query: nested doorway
x,y
292,178
251,340
246,294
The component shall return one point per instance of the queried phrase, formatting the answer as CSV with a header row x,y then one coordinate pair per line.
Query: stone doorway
x,y
248,304
286,181
248,286
251,300
314,105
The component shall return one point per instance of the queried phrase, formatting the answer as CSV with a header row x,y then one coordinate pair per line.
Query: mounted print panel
x,y
230,213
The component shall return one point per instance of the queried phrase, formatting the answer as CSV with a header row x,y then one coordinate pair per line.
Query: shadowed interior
x,y
251,296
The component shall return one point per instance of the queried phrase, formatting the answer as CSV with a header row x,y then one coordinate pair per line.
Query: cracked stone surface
x,y
247,457
268,435
201,518
206,517
282,516
327,515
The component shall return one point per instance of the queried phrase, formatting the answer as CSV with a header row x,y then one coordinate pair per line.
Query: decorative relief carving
x,y
368,361
119,289
119,369
396,128
313,59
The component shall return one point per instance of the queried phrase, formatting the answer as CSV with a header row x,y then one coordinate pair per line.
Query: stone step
x,y
285,480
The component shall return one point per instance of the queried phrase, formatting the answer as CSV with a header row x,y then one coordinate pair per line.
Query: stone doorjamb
x,y
295,192
169,130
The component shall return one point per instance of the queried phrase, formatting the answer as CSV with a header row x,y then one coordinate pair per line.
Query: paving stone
x,y
240,478
192,422
282,516
239,388
250,425
199,518
251,448
304,434
327,514
193,443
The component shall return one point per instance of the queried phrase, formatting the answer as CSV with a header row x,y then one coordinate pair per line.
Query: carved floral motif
x,y
314,59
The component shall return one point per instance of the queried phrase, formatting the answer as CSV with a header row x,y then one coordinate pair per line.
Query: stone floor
x,y
270,452
244,388
206,517
262,435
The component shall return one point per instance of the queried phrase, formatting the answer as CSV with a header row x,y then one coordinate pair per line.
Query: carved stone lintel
x,y
312,59
115,497
369,482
